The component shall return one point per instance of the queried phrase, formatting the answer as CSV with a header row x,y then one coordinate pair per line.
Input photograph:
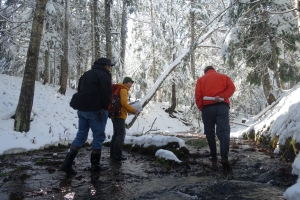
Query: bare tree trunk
x,y
78,67
297,6
37,74
65,61
274,61
22,116
2,24
154,75
96,31
46,68
278,82
85,65
292,84
123,37
60,69
173,97
193,40
54,65
108,29
267,87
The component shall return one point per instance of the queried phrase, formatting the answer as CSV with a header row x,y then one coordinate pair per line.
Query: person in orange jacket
x,y
215,111
117,141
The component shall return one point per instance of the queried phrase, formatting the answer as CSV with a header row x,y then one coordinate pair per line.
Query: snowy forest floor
x,y
257,174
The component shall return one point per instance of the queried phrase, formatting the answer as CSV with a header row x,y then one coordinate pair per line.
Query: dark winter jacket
x,y
95,88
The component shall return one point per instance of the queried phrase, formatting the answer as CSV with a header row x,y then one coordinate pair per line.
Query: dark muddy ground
x,y
257,174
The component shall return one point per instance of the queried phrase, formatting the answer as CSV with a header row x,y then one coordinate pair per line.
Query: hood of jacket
x,y
122,86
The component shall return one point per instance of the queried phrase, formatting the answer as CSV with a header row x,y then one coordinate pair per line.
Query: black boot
x,y
211,139
67,165
226,166
95,161
224,150
224,146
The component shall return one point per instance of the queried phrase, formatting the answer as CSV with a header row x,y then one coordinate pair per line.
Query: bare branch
x,y
151,126
287,11
5,19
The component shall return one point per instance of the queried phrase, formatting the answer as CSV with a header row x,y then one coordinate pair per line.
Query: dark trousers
x,y
216,122
117,141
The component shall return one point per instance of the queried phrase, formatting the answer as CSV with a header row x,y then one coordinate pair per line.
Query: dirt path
x,y
257,174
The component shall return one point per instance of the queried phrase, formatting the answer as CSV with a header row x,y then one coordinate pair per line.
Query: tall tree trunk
x,y
108,29
60,69
123,37
267,87
78,74
96,31
54,65
2,24
274,61
153,68
65,61
192,15
173,96
297,2
22,116
292,84
37,74
46,66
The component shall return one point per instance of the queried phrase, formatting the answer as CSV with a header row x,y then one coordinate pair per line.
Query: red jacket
x,y
213,84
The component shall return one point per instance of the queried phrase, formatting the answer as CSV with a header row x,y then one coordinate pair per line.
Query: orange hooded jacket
x,y
125,107
213,84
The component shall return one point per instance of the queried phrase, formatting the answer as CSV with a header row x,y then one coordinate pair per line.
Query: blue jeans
x,y
87,120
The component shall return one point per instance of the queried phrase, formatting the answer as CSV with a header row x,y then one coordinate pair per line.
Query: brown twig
x,y
151,126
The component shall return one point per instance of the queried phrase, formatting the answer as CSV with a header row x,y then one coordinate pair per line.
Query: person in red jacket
x,y
212,93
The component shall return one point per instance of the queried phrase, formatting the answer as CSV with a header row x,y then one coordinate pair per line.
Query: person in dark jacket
x,y
91,100
215,111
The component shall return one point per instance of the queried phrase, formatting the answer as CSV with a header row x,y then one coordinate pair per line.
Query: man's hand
x,y
136,112
217,99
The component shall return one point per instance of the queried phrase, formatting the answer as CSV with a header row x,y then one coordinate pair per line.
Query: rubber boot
x,y
67,165
95,160
211,139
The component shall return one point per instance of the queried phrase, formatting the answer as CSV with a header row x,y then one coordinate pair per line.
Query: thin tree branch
x,y
151,126
287,11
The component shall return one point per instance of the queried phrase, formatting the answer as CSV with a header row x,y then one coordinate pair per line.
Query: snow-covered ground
x,y
54,121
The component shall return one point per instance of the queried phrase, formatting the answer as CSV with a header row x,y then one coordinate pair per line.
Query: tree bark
x,y
96,30
154,75
123,37
108,29
192,15
22,115
267,87
46,68
54,65
65,61
297,2
171,109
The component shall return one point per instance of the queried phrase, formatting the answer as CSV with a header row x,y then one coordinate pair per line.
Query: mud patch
x,y
257,174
